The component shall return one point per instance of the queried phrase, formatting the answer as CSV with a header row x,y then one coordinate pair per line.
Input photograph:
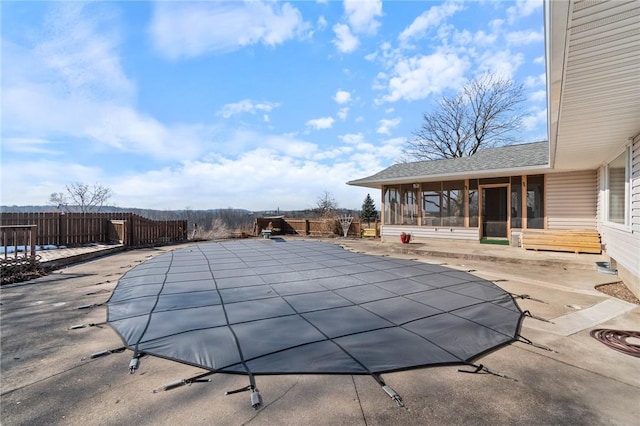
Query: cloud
x,y
352,138
419,76
322,23
81,48
342,97
519,38
522,8
535,81
321,123
361,15
536,117
246,105
29,146
387,124
502,63
185,29
345,41
428,20
539,96
342,113
72,88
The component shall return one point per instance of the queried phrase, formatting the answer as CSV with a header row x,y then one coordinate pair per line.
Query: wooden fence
x,y
74,229
310,227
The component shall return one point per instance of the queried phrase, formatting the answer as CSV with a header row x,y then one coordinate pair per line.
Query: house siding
x,y
622,244
572,200
392,233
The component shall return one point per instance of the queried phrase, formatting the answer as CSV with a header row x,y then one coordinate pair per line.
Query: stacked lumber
x,y
577,241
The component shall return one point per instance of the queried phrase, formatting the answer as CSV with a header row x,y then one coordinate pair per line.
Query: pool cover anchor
x,y
200,378
530,315
389,390
481,368
256,399
91,324
527,297
535,345
105,353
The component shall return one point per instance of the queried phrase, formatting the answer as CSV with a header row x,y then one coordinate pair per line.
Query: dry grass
x,y
219,231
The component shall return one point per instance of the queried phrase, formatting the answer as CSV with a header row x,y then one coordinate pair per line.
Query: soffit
x,y
594,81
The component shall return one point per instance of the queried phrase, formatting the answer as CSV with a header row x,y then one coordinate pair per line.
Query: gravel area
x,y
620,291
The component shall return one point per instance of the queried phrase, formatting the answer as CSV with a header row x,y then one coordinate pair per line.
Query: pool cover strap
x,y
481,368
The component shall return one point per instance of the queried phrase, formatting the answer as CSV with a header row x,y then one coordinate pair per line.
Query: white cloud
x,y
538,96
385,125
29,146
539,60
321,123
342,113
342,97
345,41
428,20
246,105
522,8
352,138
322,23
503,63
82,50
362,14
419,76
186,29
537,117
535,81
519,38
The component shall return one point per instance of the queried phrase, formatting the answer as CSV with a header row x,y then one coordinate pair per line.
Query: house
x,y
585,180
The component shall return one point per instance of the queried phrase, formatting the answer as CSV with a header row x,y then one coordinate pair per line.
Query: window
x,y
410,205
617,178
535,202
431,204
453,203
391,206
443,203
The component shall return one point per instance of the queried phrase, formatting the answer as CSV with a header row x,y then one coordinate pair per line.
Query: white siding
x,y
623,243
392,233
635,187
572,200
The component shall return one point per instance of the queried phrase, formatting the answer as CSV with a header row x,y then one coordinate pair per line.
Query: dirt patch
x,y
618,290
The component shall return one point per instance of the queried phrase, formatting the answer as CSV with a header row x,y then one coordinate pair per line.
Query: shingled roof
x,y
485,162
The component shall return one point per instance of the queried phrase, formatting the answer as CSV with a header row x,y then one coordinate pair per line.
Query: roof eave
x,y
450,176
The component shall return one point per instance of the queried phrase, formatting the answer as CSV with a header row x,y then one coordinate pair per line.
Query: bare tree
x,y
485,113
83,197
326,205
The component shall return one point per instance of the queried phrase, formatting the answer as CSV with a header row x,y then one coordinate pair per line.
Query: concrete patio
x,y
48,379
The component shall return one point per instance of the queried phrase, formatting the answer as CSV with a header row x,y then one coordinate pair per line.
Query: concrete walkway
x,y
48,379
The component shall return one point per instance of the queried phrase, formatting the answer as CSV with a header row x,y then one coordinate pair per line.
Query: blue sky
x,y
258,105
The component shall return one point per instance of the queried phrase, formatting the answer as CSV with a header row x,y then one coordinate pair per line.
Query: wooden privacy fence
x,y
310,227
73,229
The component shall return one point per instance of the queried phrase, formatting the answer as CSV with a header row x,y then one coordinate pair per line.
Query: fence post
x,y
62,230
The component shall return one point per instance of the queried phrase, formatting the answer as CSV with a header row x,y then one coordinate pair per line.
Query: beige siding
x,y
392,233
572,200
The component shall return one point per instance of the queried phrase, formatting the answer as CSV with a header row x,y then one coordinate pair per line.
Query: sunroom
x,y
495,195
